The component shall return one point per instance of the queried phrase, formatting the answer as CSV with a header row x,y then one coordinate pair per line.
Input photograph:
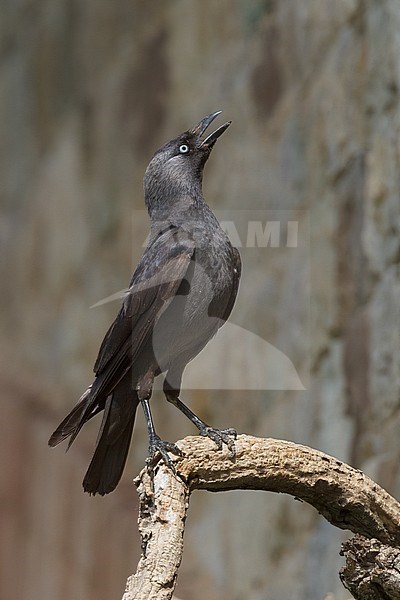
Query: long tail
x,y
108,462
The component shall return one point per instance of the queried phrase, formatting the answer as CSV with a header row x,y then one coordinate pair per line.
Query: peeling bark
x,y
344,496
372,570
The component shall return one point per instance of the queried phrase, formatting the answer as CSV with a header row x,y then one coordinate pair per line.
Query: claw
x,y
221,436
157,446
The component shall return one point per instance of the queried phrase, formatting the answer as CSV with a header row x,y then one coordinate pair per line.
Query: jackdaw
x,y
181,292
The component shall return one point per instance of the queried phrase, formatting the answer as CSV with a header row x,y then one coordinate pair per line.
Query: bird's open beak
x,y
200,128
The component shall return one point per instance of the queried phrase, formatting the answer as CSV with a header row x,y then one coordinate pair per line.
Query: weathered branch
x,y
372,570
343,495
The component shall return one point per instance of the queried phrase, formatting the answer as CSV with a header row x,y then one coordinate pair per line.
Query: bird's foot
x,y
159,447
221,436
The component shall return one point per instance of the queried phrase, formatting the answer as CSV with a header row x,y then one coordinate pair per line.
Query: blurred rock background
x,y
89,90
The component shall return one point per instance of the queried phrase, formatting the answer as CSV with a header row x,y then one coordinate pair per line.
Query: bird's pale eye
x,y
183,148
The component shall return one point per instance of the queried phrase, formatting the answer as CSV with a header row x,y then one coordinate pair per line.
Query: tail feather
x,y
108,462
85,409
112,445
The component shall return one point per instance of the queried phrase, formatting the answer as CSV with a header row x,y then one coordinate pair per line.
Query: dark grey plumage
x,y
182,291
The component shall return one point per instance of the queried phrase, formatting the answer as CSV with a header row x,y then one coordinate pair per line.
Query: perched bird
x,y
181,292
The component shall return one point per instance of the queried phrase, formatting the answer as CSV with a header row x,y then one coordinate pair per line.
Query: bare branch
x,y
344,496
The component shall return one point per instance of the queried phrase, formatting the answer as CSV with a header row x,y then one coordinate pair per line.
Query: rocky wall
x,y
89,91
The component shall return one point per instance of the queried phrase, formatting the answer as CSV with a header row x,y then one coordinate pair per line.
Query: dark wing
x,y
154,284
237,271
216,308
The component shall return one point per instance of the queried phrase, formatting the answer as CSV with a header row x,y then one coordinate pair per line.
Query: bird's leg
x,y
219,436
156,444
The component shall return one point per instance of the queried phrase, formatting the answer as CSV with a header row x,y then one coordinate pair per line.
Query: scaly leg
x,y
219,436
156,444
